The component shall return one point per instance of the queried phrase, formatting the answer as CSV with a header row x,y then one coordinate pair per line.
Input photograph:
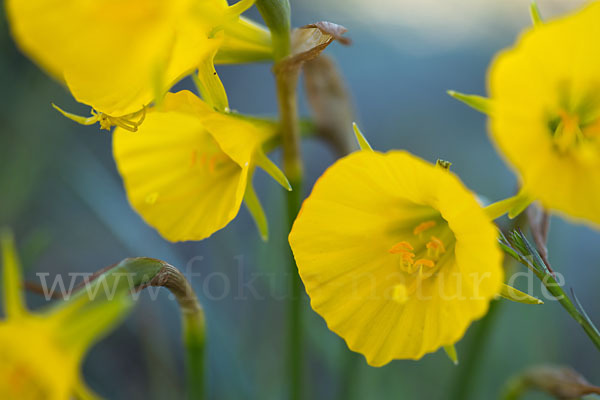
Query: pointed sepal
x,y
240,7
362,141
451,353
210,85
14,301
513,205
512,294
534,12
256,210
261,160
479,103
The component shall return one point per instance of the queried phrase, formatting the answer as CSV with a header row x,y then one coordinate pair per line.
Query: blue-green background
x,y
60,192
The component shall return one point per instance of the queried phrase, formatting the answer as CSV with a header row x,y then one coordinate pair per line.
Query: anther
x,y
423,226
424,262
435,247
401,248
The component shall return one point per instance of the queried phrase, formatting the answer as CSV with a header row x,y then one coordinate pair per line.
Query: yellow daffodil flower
x,y
41,353
117,56
188,168
396,255
544,110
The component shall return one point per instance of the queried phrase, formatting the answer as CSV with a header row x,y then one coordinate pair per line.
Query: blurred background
x,y
60,192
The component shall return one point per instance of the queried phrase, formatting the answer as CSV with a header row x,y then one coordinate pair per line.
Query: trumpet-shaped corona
x,y
188,168
545,112
396,255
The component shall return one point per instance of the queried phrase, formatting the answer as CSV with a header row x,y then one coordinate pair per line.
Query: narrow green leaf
x,y
362,141
534,11
451,353
479,103
512,294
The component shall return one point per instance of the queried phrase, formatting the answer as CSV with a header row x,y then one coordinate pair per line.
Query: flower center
x,y
419,257
575,128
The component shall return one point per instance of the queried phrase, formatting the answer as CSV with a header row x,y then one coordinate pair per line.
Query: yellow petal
x,y
358,210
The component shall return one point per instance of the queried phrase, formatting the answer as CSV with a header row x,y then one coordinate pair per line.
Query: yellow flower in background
x,y
545,112
188,168
41,353
117,56
396,255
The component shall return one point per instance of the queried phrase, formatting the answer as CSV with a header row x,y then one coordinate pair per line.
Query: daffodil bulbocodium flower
x,y
41,353
117,56
188,168
544,112
396,255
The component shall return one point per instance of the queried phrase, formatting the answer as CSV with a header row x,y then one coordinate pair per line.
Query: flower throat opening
x,y
421,255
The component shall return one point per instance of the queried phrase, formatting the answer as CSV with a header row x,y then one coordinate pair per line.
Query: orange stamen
x,y
436,244
401,248
423,226
426,262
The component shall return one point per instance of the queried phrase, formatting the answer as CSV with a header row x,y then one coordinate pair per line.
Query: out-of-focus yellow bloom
x,y
188,168
545,112
396,255
118,55
41,353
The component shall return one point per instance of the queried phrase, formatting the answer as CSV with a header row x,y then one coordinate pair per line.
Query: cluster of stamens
x,y
573,131
421,268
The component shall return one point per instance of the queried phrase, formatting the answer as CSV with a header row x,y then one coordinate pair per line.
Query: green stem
x,y
537,266
557,291
276,14
295,350
193,327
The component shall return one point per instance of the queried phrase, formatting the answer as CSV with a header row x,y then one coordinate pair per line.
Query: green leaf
x,y
534,11
479,103
512,294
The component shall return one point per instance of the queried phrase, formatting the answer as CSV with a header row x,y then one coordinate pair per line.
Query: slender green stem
x,y
193,331
193,327
557,291
295,350
526,254
276,14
